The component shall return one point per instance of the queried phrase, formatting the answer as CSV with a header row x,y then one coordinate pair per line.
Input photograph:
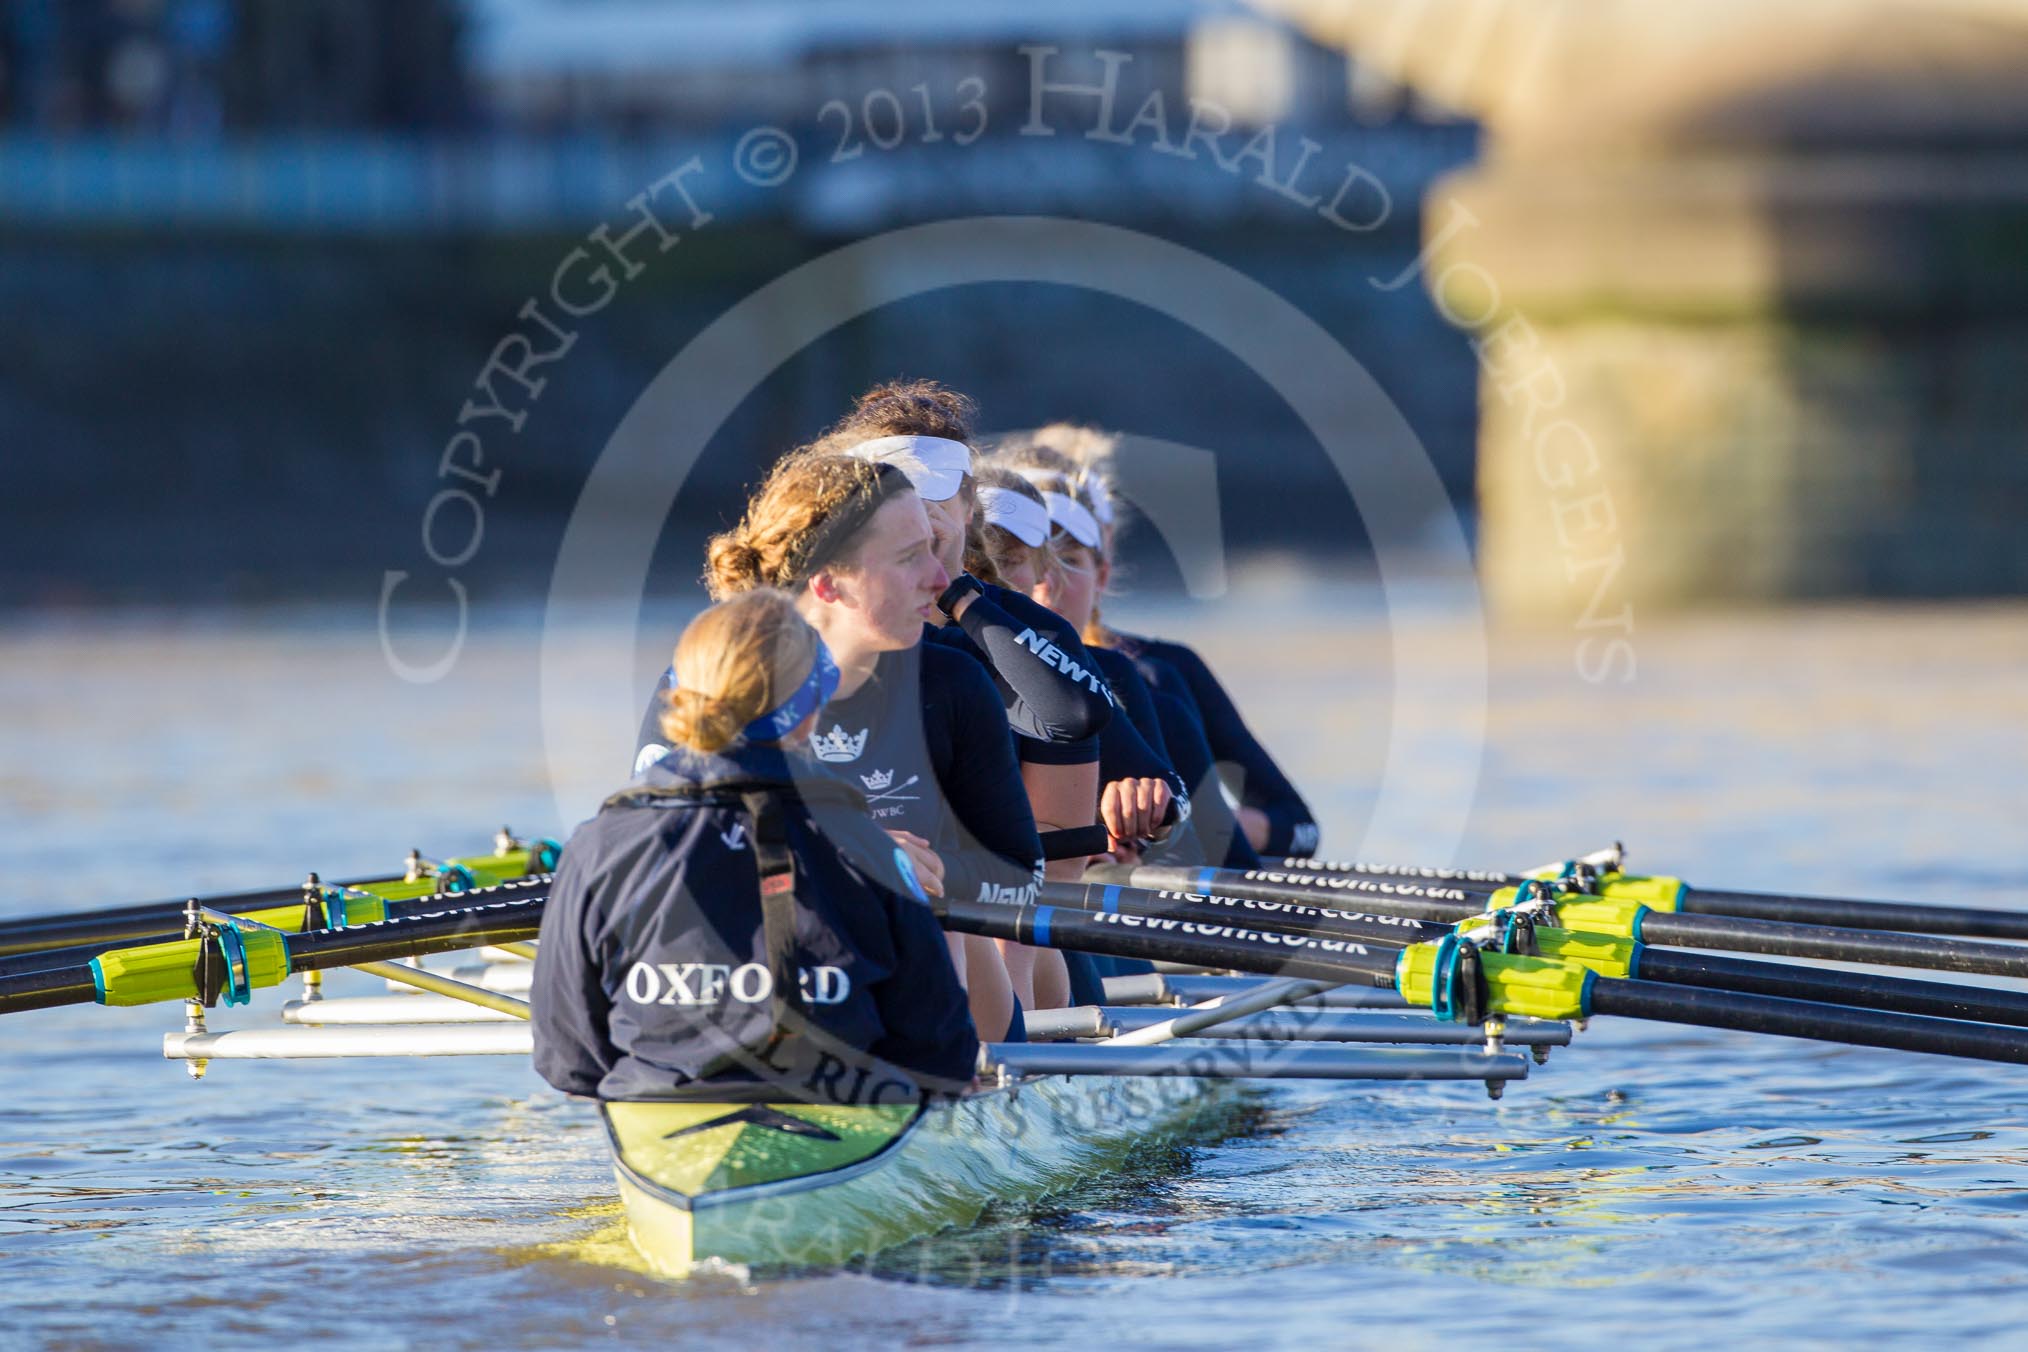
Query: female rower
x,y
919,728
1055,702
1014,542
1272,814
732,915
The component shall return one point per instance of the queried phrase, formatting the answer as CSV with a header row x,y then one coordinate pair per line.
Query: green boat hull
x,y
803,1184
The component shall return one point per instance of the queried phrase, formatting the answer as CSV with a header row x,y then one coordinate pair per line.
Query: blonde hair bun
x,y
699,721
738,660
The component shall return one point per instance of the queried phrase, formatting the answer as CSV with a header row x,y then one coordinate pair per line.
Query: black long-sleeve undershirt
x,y
1049,686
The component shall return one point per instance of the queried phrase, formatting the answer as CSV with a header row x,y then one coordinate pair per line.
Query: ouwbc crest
x,y
837,744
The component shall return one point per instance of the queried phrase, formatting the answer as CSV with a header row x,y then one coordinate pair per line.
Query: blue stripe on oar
x,y
1204,877
1042,914
1109,900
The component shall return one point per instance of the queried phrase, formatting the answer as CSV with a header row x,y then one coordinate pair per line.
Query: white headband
x,y
1073,516
1101,501
936,466
1016,513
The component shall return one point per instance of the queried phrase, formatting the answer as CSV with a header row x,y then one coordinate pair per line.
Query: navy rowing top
x,y
1220,840
1124,751
926,740
653,981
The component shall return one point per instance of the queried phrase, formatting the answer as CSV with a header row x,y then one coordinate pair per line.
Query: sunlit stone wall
x,y
1749,284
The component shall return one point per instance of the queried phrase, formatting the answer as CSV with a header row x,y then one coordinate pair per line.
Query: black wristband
x,y
963,585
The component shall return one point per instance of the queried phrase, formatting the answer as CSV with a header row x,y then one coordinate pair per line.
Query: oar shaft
x,y
48,959
1438,903
142,920
1476,879
1970,922
152,920
443,931
1237,947
1941,999
45,959
1796,1018
71,985
1289,955
128,925
437,931
1834,944
1786,980
1325,921
1829,943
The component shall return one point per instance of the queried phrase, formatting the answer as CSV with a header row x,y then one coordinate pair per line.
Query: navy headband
x,y
818,686
831,536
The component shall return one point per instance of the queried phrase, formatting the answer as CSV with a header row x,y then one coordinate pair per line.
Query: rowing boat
x,y
788,1183
816,1184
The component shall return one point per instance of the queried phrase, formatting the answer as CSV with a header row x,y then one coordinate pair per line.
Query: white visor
x,y
1074,517
935,466
1101,502
1016,513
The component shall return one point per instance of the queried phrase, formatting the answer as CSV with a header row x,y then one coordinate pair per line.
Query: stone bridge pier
x,y
1749,284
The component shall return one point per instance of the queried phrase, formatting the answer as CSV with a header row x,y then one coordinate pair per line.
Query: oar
x,y
276,906
1603,954
1673,894
1495,982
231,963
334,908
1448,902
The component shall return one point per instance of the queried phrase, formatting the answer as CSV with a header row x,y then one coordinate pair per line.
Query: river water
x,y
1649,1183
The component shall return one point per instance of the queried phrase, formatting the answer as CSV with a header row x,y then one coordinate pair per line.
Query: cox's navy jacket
x,y
652,978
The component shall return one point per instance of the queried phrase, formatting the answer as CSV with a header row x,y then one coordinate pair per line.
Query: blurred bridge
x,y
1748,281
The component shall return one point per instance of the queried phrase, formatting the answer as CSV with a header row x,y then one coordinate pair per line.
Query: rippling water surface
x,y
1650,1182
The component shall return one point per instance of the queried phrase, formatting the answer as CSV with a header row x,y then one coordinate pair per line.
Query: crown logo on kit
x,y
877,781
838,744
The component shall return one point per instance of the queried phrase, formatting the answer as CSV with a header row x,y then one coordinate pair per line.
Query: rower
x,y
732,916
919,728
1015,542
1210,834
1055,701
1143,799
1273,815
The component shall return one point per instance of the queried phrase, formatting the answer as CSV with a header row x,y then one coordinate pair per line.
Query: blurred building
x,y
209,68
269,243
